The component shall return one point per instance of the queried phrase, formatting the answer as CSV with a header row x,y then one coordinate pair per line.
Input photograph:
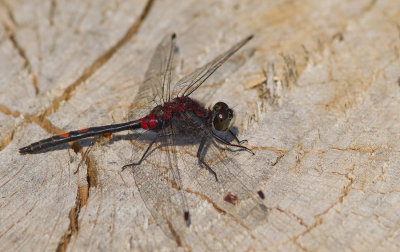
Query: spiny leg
x,y
96,140
220,139
142,158
202,162
237,139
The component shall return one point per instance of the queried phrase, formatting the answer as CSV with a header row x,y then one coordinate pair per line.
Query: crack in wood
x,y
83,195
220,210
9,12
73,225
7,111
346,188
298,218
21,52
204,197
52,11
277,160
299,156
366,148
369,7
73,228
319,217
99,62
268,148
5,141
92,173
175,234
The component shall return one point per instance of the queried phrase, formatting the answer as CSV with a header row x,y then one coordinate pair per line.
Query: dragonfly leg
x,y
237,139
201,160
220,139
142,158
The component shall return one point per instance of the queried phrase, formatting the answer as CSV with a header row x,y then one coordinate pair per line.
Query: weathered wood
x,y
318,101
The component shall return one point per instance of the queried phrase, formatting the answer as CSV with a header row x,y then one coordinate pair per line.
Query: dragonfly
x,y
176,129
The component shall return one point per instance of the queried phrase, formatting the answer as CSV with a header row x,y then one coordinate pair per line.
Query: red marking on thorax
x,y
197,111
149,121
168,110
195,107
82,130
180,105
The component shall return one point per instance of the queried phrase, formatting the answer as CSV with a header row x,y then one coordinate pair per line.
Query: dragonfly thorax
x,y
180,108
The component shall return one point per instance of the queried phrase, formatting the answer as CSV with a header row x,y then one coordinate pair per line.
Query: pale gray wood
x,y
318,101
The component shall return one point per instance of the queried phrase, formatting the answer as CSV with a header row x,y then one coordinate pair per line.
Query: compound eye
x,y
223,117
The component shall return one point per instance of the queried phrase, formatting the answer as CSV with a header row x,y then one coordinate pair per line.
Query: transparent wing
x,y
159,183
189,83
235,191
155,88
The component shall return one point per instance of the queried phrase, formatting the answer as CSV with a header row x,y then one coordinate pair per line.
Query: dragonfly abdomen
x,y
78,134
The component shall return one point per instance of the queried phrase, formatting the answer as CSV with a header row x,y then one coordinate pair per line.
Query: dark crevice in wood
x,y
5,141
319,217
21,52
83,192
220,210
369,7
18,47
44,123
9,12
204,197
73,228
52,11
174,234
98,63
5,110
92,173
289,213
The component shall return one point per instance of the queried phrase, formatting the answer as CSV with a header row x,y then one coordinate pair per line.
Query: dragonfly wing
x,y
235,192
159,183
189,83
155,88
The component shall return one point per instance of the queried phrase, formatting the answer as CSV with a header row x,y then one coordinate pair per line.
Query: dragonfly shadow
x,y
145,138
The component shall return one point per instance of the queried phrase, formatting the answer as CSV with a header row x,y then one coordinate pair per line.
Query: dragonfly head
x,y
222,117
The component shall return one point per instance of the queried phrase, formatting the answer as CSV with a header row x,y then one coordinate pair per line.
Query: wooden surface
x,y
316,91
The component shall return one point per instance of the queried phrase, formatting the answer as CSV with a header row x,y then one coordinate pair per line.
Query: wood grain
x,y
316,92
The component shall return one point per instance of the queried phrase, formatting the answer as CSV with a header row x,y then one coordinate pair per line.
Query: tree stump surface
x,y
317,96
